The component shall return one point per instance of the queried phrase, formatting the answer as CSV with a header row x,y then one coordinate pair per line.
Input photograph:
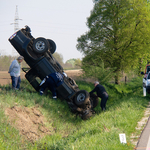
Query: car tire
x,y
81,98
94,100
40,45
52,46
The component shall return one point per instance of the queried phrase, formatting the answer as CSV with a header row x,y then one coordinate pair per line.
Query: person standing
x,y
14,71
101,92
52,81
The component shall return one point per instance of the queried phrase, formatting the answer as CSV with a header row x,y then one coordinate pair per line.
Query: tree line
x,y
117,39
69,64
5,62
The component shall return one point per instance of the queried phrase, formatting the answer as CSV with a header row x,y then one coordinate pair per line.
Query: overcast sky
x,y
63,21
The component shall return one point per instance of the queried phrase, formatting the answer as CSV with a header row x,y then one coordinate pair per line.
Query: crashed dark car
x,y
38,54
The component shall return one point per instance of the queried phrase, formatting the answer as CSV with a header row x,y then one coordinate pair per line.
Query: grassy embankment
x,y
125,108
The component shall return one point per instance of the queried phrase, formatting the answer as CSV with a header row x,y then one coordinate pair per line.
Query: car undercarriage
x,y
38,54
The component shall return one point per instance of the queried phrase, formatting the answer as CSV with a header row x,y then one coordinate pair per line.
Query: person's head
x,y
96,83
20,59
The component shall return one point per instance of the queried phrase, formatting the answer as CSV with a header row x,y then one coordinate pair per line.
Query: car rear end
x,y
21,43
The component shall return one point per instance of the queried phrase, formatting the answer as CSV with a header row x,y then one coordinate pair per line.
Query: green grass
x,y
125,107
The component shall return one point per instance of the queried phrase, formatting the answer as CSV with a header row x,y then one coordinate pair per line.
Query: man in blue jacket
x,y
14,71
101,92
52,81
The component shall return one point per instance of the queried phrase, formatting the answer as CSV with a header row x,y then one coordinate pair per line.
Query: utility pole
x,y
16,28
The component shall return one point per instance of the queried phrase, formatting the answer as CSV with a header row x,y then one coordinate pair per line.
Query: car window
x,y
148,76
148,69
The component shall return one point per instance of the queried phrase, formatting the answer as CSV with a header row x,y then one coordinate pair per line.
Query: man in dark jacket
x,y
52,81
101,92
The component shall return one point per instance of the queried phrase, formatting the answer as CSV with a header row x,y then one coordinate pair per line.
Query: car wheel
x,y
40,45
81,98
52,46
94,100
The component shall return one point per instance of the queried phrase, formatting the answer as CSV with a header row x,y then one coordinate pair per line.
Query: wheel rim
x,y
40,45
81,97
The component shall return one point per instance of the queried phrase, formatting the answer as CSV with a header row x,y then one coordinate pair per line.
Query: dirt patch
x,y
29,122
73,73
76,75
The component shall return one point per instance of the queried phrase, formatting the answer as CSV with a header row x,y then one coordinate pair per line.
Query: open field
x,y
5,77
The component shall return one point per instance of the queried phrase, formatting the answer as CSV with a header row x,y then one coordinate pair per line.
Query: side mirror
x,y
142,73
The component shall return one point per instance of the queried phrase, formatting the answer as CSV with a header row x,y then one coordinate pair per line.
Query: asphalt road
x,y
144,140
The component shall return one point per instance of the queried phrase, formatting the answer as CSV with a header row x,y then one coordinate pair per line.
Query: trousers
x,y
104,101
49,83
15,82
